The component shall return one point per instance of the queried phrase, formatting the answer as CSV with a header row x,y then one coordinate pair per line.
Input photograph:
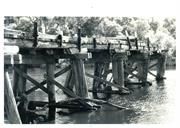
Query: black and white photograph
x,y
110,69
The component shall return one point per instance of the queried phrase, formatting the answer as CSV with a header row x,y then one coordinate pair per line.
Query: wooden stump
x,y
9,101
79,77
51,88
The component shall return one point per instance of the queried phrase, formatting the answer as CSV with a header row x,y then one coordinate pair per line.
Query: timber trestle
x,y
116,71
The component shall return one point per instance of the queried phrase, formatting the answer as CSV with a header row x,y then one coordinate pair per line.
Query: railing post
x,y
59,40
94,42
136,43
79,39
109,46
35,35
148,44
128,40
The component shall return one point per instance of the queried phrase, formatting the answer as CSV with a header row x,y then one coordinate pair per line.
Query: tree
x,y
170,25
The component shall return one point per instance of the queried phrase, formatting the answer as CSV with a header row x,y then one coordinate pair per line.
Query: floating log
x,y
108,92
105,102
67,104
51,89
73,104
9,101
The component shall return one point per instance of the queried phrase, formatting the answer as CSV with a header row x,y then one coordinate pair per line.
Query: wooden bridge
x,y
120,65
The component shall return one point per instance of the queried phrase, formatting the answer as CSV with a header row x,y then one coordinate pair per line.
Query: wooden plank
x,y
152,74
64,70
153,65
69,81
31,80
9,101
42,59
107,82
67,91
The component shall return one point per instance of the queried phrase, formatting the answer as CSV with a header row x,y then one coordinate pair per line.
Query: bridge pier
x,y
51,89
137,67
118,69
79,77
161,66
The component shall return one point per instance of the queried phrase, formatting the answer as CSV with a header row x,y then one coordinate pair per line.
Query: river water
x,y
152,104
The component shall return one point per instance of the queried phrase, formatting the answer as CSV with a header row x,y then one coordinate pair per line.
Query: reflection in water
x,y
154,104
